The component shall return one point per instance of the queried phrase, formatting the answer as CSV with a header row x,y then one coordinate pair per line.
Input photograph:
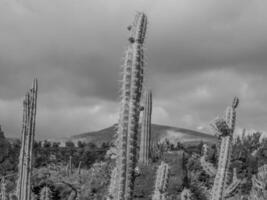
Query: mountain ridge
x,y
159,134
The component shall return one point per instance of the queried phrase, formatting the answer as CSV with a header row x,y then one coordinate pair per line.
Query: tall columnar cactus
x,y
45,193
224,128
145,142
259,184
161,182
27,141
131,90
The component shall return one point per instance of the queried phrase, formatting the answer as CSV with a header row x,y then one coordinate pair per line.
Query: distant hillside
x,y
159,133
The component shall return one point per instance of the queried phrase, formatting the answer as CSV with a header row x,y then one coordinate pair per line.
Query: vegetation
x,y
235,168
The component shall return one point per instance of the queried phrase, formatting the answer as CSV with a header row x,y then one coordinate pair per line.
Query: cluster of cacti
x,y
224,129
259,184
161,183
131,90
145,141
27,141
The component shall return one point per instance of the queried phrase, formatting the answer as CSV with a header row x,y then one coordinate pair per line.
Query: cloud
x,y
199,55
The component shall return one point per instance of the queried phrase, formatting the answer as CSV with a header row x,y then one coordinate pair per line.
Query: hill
x,y
159,133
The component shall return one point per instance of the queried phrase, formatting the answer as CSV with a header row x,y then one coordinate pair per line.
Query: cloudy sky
x,y
199,54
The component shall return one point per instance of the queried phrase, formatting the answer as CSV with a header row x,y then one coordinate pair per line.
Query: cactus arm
x,y
146,129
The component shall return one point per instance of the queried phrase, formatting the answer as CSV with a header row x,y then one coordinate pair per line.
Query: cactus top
x,y
138,29
235,102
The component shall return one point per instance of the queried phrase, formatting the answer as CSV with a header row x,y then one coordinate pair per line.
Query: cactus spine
x,y
27,140
225,129
129,110
161,182
146,129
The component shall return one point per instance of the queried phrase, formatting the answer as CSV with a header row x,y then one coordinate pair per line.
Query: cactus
x,y
27,140
45,193
259,184
4,194
161,183
129,110
69,169
146,129
207,167
224,129
79,168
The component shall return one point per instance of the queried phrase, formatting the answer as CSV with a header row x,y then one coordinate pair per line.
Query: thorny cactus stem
x,y
161,183
225,129
259,184
129,110
146,129
27,141
46,193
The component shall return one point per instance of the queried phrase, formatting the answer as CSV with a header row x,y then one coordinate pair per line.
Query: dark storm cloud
x,y
199,55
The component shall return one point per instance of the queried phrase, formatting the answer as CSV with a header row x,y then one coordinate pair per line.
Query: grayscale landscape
x,y
133,100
